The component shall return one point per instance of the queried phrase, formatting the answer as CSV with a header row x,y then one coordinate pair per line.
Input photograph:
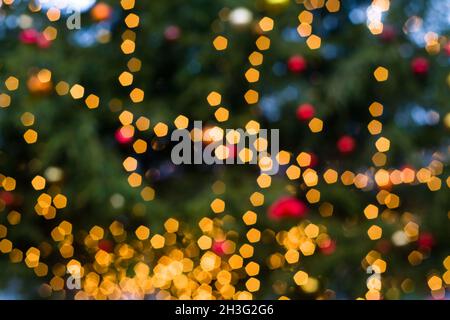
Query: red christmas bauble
x,y
420,66
232,151
329,248
122,136
314,160
218,248
105,245
447,48
384,246
346,144
426,240
287,207
29,36
172,33
7,197
388,33
43,42
305,112
297,64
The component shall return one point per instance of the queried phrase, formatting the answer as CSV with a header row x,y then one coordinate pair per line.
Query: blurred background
x,y
91,90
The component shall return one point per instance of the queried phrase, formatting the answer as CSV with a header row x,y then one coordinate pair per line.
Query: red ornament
x,y
122,136
232,151
296,64
346,144
426,240
420,66
388,33
29,36
7,197
172,33
43,42
384,246
105,245
447,48
218,248
329,247
305,112
314,160
287,207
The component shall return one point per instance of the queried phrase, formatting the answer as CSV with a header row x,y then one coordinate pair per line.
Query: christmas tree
x,y
94,207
